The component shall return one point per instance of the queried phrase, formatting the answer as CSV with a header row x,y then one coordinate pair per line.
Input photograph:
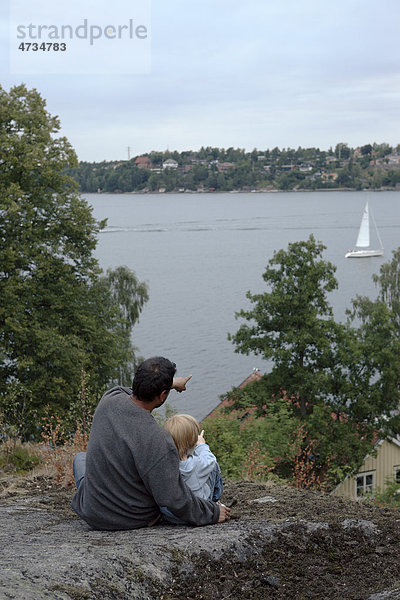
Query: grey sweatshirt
x,y
132,468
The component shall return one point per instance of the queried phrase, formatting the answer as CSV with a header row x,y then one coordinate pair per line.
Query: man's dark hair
x,y
152,377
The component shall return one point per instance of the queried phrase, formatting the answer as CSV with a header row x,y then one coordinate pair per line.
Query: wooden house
x,y
377,469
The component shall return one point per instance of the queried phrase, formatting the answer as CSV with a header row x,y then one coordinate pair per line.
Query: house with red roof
x,y
143,162
380,467
255,375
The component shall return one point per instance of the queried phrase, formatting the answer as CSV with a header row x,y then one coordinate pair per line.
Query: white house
x,y
170,163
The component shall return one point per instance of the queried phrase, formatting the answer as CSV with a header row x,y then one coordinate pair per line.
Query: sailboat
x,y
362,248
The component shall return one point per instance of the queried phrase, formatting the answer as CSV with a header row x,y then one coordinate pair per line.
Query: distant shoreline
x,y
371,167
176,192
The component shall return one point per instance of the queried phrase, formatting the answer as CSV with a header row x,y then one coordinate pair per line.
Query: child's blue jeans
x,y
215,484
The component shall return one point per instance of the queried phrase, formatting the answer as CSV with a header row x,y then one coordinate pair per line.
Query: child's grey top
x,y
196,470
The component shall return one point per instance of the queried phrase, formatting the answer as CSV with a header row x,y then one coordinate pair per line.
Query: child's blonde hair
x,y
184,430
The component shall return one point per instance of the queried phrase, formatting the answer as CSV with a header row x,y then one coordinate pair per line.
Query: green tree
x,y
366,150
155,181
388,284
127,296
343,380
373,367
374,394
288,181
292,324
382,150
57,315
340,444
342,151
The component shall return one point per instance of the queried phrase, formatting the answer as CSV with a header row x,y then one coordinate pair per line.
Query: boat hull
x,y
363,253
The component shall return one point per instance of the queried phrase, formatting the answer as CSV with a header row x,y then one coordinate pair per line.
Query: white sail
x,y
363,234
362,249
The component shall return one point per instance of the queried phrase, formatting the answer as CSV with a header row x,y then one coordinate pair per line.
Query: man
x,y
131,469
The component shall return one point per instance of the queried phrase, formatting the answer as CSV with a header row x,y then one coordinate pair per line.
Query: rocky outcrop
x,y
48,553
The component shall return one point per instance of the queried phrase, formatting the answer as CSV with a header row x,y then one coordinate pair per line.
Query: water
x,y
200,253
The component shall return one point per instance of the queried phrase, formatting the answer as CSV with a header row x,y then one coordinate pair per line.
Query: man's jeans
x,y
79,468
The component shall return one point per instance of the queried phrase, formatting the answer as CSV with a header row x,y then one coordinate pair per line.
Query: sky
x,y
254,74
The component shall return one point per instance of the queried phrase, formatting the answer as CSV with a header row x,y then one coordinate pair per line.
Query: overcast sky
x,y
254,74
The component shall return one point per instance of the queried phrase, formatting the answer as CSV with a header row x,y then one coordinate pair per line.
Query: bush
x,y
256,448
15,412
389,496
64,437
19,457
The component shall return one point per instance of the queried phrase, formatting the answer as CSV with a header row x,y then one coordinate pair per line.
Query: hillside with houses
x,y
372,166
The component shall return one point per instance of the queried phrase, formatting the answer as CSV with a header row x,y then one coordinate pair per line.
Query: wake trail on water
x,y
201,228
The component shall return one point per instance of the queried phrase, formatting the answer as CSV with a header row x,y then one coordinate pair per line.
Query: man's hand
x,y
224,513
179,383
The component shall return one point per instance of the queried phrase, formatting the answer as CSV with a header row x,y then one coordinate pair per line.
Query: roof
x,y
255,375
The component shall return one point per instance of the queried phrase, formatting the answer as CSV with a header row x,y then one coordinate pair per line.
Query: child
x,y
198,465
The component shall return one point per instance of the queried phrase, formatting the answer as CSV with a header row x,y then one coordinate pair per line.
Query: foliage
x,y
373,367
388,283
64,437
319,450
15,411
15,456
223,435
80,411
388,496
374,393
168,410
58,314
256,464
60,447
342,443
126,296
366,150
341,381
292,324
252,448
304,472
342,150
